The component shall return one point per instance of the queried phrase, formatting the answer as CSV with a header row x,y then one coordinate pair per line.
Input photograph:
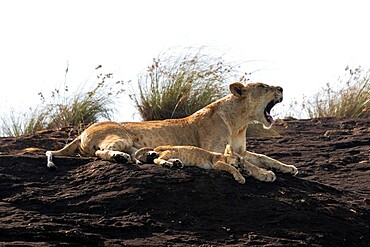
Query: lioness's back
x,y
157,133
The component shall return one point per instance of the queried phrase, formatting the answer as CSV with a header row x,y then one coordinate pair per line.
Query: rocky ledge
x,y
90,202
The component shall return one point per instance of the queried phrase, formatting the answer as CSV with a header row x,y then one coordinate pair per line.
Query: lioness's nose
x,y
280,89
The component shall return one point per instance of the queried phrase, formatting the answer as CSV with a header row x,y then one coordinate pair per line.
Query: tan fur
x,y
194,156
221,122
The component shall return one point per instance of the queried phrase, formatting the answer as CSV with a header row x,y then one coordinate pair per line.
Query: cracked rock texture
x,y
90,202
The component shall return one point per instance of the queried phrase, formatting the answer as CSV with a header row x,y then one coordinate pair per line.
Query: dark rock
x,y
89,202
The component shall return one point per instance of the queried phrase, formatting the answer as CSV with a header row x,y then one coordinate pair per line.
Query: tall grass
x,y
177,85
16,124
64,108
350,100
81,107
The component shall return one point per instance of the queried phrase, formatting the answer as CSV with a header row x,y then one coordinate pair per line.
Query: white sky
x,y
299,45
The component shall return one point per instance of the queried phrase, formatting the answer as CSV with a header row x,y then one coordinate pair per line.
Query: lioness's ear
x,y
228,150
237,89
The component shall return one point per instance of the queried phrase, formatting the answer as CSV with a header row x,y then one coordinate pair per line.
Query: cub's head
x,y
231,157
256,101
235,160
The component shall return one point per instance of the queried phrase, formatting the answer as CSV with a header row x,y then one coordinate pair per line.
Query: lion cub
x,y
193,156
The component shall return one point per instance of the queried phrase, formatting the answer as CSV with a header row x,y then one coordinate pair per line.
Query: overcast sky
x,y
299,45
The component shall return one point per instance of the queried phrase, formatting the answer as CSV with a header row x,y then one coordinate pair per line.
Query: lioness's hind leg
x,y
112,148
221,166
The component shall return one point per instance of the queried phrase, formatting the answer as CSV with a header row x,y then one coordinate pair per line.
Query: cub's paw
x,y
240,179
177,163
166,163
289,169
265,176
121,157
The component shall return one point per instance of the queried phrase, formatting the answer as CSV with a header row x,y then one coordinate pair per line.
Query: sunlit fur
x,y
222,122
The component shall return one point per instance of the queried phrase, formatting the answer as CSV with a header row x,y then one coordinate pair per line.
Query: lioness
x,y
194,156
212,127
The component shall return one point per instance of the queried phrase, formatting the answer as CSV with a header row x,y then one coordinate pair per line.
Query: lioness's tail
x,y
69,149
141,155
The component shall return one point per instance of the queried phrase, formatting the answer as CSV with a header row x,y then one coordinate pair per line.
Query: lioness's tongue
x,y
270,118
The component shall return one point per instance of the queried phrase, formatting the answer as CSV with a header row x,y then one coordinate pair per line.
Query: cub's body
x,y
194,156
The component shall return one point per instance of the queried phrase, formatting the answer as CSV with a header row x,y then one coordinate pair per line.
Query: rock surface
x,y
90,202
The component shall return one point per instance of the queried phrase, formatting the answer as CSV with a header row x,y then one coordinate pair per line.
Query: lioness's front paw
x,y
266,176
289,169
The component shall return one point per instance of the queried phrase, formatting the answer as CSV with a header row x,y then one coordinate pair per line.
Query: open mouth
x,y
267,111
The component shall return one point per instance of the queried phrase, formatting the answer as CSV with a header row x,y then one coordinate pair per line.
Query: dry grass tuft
x,y
351,100
175,86
65,108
